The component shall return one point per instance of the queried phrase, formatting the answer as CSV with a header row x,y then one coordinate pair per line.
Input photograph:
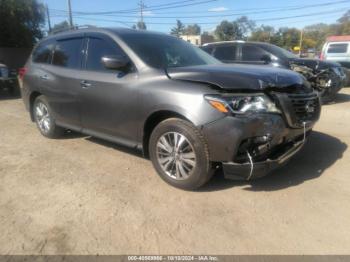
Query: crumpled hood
x,y
238,77
314,64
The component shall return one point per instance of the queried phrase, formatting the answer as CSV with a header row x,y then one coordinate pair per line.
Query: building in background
x,y
198,39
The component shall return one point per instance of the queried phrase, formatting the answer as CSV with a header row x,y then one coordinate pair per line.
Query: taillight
x,y
21,72
322,56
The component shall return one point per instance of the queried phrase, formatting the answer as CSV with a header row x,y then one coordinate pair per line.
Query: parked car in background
x,y
8,79
337,49
183,108
326,77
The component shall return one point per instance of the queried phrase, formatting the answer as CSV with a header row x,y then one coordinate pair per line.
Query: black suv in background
x,y
8,79
326,77
183,108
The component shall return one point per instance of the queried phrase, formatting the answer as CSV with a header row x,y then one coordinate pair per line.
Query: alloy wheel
x,y
43,117
176,155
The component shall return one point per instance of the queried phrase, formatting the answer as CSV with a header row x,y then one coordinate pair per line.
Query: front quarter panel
x,y
159,93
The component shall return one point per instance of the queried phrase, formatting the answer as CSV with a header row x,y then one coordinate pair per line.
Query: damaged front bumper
x,y
252,146
251,170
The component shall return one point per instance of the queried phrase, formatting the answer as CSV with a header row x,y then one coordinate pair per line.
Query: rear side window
x,y
337,48
252,53
225,52
68,53
98,48
208,49
43,53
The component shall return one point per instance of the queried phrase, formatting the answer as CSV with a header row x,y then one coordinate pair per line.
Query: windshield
x,y
278,51
163,51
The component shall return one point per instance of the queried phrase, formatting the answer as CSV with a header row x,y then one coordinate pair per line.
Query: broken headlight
x,y
243,104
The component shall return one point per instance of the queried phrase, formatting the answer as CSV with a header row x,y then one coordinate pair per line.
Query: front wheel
x,y
180,154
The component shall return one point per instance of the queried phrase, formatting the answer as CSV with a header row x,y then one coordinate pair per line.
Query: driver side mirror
x,y
266,59
115,62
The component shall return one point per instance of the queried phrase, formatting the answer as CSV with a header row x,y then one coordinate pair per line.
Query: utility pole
x,y
301,41
48,18
70,14
142,7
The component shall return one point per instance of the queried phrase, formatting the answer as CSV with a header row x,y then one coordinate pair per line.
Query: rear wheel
x,y
44,119
179,154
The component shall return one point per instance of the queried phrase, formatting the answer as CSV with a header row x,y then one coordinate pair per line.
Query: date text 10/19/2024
x,y
172,258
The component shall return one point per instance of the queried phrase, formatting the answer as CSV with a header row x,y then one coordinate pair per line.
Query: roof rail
x,y
223,42
76,27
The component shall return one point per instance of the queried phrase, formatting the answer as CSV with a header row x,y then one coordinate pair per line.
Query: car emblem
x,y
309,107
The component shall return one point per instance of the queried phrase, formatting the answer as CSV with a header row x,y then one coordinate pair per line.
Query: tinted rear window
x,y
208,49
43,52
225,52
68,53
337,48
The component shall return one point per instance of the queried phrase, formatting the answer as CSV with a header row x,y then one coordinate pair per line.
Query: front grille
x,y
300,108
306,107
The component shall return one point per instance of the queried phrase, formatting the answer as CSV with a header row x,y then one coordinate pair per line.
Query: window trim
x,y
78,36
42,44
103,37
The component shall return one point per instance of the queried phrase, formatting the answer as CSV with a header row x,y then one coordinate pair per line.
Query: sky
x,y
161,15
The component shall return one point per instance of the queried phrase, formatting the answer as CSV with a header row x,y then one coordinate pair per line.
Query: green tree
x,y
60,27
286,37
315,35
263,34
21,22
227,31
193,30
141,25
179,29
343,25
236,30
246,26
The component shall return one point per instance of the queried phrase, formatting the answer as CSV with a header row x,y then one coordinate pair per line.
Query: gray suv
x,y
186,111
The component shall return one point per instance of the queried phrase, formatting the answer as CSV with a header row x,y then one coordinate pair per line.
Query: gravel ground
x,y
81,195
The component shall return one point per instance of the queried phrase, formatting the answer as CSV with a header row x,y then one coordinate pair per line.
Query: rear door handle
x,y
44,77
85,84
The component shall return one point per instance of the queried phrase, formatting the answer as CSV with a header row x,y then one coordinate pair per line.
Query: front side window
x,y
253,53
42,53
278,51
68,53
337,48
225,52
162,51
98,48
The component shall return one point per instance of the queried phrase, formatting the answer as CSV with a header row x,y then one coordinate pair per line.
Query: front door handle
x,y
85,84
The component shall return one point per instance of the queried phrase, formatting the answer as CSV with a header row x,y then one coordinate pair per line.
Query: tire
x,y
45,123
192,144
328,95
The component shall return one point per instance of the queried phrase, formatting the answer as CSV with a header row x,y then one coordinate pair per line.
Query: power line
x,y
236,14
254,10
150,8
250,9
214,23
